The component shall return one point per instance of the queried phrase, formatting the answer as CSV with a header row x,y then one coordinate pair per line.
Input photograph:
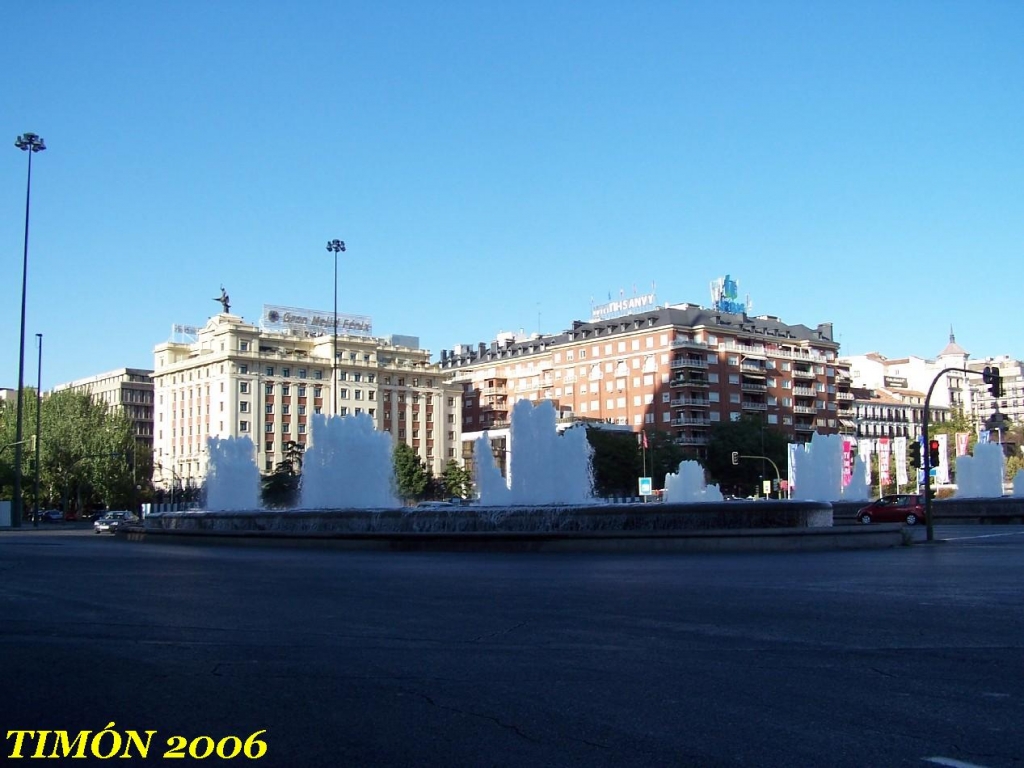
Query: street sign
x,y
646,487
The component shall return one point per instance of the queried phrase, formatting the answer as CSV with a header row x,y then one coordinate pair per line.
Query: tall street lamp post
x,y
31,143
39,434
337,246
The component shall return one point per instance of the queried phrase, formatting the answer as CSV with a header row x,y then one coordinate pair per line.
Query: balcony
x,y
688,344
691,440
804,409
695,421
753,405
753,368
800,374
690,402
801,427
803,391
684,382
689,362
750,387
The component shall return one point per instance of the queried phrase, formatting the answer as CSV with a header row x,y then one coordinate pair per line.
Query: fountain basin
x,y
726,526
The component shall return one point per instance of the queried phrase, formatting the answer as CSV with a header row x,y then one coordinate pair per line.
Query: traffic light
x,y
735,458
933,453
991,376
915,454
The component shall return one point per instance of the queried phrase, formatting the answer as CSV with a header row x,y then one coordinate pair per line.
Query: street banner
x,y
847,462
942,471
865,448
962,439
899,448
883,460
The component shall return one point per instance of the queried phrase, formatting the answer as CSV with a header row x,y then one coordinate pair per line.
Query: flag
x,y
643,435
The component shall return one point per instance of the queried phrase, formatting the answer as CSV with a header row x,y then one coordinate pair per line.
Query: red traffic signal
x,y
933,453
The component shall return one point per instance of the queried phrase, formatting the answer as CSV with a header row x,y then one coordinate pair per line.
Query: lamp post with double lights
x,y
31,143
336,246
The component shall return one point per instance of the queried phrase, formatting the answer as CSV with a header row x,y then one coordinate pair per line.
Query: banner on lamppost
x,y
883,460
962,441
942,471
864,449
899,447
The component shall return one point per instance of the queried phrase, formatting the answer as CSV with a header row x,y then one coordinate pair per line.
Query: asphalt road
x,y
905,657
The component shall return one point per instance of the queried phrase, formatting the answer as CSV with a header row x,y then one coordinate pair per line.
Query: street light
x,y
31,143
337,246
39,434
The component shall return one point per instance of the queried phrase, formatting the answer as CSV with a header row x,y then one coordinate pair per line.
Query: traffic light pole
x,y
778,477
926,459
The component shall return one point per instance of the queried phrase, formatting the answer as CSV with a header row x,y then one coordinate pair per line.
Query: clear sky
x,y
497,166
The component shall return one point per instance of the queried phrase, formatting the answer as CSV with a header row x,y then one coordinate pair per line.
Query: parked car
x,y
51,516
895,508
110,521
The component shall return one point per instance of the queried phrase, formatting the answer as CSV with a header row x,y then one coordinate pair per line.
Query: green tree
x,y
87,453
411,476
615,462
280,489
456,480
749,436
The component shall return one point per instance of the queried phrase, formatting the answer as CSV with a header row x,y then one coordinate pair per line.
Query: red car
x,y
896,508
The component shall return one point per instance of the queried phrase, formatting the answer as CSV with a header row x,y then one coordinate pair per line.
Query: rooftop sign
x,y
623,306
314,322
724,296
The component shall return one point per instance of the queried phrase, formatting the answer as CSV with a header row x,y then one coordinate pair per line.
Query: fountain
x,y
817,471
981,475
348,465
347,495
233,481
546,467
687,485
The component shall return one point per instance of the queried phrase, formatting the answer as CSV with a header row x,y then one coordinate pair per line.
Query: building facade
x,y
128,390
235,379
681,369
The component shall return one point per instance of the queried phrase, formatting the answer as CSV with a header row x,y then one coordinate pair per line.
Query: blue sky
x,y
498,166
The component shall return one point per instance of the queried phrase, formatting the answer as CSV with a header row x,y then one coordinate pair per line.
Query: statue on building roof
x,y
224,300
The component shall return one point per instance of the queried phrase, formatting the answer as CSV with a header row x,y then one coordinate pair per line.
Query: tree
x,y
87,454
616,461
411,475
456,480
749,436
280,489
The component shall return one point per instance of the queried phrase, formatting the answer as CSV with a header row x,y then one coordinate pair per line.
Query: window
x,y
343,394
243,346
358,394
302,390
269,408
342,375
270,370
286,372
317,393
285,409
302,410
243,426
286,390
269,389
318,375
243,406
243,368
243,387
269,427
302,373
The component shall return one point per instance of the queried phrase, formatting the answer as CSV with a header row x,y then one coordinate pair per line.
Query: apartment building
x,y
231,378
680,368
129,390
